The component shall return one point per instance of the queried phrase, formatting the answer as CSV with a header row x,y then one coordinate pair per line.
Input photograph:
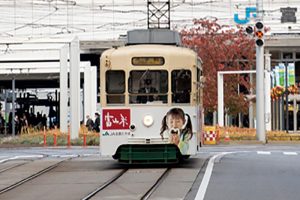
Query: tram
x,y
150,93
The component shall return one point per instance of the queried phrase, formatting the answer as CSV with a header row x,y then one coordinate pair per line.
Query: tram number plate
x,y
115,119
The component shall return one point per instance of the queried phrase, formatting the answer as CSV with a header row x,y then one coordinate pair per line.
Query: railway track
x,y
12,167
156,185
25,158
93,193
146,195
89,178
29,178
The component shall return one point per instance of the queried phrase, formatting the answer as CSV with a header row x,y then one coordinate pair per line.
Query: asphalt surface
x,y
245,172
83,170
255,172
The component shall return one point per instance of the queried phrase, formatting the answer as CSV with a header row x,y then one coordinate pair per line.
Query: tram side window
x,y
115,87
148,86
181,86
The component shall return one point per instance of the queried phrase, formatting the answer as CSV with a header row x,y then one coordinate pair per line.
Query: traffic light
x,y
259,34
249,30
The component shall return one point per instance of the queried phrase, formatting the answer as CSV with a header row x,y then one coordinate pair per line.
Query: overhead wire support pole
x,y
260,107
259,8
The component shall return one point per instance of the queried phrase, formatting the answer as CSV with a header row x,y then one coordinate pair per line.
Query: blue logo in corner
x,y
250,12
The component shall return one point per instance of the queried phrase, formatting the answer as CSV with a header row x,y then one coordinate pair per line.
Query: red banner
x,y
115,119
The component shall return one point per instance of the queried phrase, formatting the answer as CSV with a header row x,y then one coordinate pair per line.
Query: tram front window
x,y
181,86
148,86
115,87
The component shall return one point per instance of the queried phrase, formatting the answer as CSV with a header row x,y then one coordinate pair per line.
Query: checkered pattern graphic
x,y
210,135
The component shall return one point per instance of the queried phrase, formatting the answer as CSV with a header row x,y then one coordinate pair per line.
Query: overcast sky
x,y
107,19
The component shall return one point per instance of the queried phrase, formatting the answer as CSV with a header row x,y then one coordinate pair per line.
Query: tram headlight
x,y
148,120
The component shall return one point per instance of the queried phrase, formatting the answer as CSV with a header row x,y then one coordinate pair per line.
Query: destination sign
x,y
145,61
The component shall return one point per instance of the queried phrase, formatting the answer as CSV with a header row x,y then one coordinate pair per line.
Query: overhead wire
x,y
108,15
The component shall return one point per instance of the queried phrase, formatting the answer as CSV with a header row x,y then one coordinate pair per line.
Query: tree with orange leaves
x,y
222,48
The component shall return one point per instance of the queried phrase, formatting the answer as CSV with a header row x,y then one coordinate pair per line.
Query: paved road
x,y
253,172
262,172
76,172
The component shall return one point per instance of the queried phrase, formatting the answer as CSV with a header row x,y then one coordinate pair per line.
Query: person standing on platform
x,y
89,123
97,123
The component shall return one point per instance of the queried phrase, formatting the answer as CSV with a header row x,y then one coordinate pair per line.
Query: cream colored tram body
x,y
145,89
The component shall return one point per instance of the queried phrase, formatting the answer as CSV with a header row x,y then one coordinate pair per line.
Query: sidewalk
x,y
235,135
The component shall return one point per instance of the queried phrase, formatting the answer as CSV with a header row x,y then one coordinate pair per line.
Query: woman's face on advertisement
x,y
175,122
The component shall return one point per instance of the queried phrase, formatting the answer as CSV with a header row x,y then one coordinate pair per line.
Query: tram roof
x,y
147,49
175,57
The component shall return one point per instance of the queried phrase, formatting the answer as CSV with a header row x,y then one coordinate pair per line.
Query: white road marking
x,y
64,156
21,157
264,152
29,156
290,153
4,160
90,154
203,186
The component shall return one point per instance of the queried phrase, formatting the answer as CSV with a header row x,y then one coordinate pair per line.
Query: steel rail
x,y
156,184
31,177
11,167
107,183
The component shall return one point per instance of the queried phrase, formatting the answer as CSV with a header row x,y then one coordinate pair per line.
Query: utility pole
x,y
260,107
